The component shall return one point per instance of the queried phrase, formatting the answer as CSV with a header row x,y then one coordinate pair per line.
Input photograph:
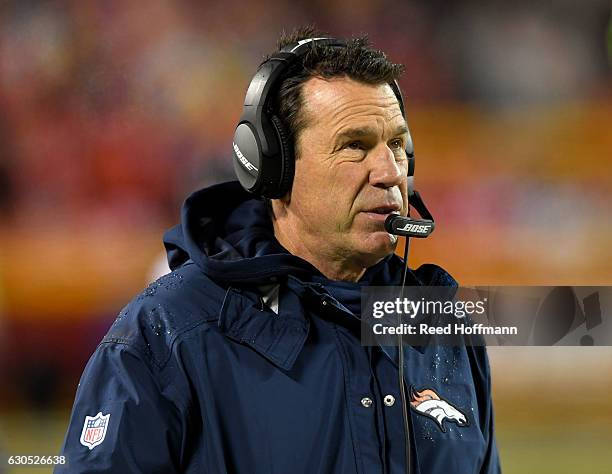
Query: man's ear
x,y
278,207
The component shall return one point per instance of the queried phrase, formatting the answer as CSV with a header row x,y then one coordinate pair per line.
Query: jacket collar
x,y
280,337
277,337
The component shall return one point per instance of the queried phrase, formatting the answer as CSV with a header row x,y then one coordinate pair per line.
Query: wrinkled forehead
x,y
339,102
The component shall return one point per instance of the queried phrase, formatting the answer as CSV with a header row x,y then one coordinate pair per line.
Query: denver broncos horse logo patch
x,y
429,403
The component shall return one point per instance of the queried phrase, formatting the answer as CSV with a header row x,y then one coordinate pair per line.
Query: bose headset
x,y
262,150
264,162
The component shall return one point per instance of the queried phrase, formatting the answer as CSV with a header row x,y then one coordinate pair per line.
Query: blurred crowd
x,y
112,110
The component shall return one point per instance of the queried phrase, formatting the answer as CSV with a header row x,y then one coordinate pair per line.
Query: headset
x,y
262,152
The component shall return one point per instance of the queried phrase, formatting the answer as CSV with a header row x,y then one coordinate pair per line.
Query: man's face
x,y
351,168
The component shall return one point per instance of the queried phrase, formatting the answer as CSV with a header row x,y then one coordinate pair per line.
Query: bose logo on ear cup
x,y
246,163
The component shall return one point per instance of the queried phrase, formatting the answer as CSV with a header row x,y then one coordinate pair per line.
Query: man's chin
x,y
377,245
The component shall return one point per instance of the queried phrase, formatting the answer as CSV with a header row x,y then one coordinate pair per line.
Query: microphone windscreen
x,y
399,225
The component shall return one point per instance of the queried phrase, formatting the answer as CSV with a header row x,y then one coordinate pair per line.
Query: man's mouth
x,y
385,210
380,213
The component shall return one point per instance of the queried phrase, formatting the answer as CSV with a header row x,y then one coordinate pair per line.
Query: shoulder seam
x,y
145,351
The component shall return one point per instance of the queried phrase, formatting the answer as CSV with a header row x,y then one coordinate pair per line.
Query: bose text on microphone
x,y
399,225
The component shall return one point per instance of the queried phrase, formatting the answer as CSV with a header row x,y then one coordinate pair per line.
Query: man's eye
x,y
396,144
354,146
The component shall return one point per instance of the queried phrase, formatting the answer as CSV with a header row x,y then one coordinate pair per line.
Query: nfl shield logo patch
x,y
94,430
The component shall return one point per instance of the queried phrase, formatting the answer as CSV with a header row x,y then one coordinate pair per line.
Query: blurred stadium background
x,y
112,111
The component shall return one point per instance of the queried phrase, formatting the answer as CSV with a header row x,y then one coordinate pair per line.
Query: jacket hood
x,y
228,233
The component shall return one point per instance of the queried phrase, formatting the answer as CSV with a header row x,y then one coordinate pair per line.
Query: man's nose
x,y
385,171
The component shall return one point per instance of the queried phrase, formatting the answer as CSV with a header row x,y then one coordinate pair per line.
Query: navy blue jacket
x,y
245,359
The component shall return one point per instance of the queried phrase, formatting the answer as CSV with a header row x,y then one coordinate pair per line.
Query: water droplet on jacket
x,y
157,328
435,363
426,433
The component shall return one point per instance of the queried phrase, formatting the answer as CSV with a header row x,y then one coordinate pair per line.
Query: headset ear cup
x,y
287,160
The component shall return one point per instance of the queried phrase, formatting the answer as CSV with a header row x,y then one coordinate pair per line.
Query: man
x,y
246,358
